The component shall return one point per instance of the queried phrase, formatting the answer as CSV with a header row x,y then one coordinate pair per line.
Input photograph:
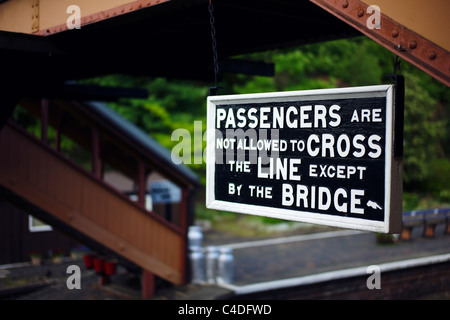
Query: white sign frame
x,y
393,166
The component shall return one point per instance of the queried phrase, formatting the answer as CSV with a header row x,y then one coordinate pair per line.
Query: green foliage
x,y
360,61
422,132
410,201
438,184
68,147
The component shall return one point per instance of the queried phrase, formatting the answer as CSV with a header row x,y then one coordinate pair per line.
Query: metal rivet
x,y
360,13
432,55
395,33
413,44
345,4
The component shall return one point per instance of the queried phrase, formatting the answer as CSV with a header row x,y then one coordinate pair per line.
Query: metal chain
x,y
396,64
213,90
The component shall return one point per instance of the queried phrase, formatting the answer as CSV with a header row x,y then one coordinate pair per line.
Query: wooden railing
x,y
428,219
42,176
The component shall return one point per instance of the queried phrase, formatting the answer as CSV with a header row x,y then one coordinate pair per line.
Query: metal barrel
x,y
225,266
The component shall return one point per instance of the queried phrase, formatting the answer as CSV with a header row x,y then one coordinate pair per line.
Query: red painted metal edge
x,y
103,15
407,44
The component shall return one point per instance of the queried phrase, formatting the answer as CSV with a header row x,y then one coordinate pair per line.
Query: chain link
x,y
214,89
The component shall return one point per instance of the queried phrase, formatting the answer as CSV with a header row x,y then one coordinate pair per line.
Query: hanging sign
x,y
317,156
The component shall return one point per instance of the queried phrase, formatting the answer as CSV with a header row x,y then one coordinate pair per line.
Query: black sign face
x,y
320,156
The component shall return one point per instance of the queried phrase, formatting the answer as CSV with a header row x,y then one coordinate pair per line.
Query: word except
x,y
340,171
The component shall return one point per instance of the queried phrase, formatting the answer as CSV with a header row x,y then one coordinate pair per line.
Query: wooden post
x,y
96,159
406,233
58,131
44,120
147,284
428,230
142,190
184,211
8,105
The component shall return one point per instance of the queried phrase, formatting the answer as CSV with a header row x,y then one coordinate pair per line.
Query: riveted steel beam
x,y
44,17
408,44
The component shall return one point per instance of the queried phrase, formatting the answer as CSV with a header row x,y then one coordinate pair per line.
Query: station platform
x,y
268,263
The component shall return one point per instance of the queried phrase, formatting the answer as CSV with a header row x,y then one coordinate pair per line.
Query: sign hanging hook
x,y
399,81
396,66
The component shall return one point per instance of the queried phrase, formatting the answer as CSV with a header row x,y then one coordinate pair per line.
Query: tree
x,y
360,61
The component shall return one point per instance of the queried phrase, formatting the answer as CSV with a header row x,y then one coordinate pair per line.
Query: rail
x,y
429,219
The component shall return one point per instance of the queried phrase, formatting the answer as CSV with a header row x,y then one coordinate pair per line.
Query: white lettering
x,y
323,198
356,201
279,169
309,116
377,149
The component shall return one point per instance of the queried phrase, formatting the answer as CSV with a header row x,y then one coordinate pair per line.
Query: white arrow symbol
x,y
373,205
